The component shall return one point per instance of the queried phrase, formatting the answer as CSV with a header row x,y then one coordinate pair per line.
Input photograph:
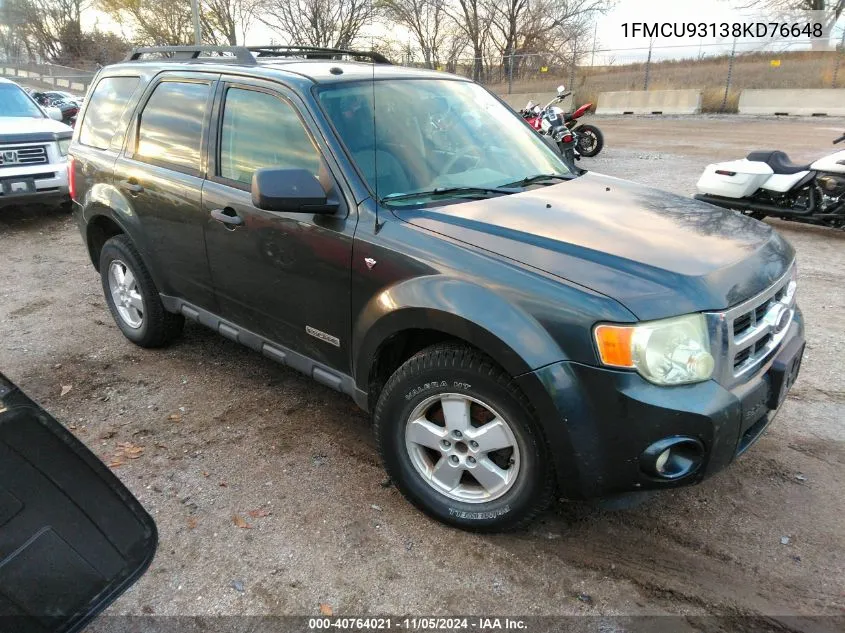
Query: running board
x,y
321,373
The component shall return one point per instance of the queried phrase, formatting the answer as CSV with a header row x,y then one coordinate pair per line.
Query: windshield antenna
x,y
375,137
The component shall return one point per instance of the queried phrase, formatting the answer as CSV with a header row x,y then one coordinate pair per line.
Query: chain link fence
x,y
720,71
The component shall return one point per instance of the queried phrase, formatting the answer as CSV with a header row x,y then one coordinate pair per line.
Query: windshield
x,y
15,102
431,135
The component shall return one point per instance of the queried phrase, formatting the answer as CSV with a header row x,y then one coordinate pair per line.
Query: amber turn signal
x,y
614,344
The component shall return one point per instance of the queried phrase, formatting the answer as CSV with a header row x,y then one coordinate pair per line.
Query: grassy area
x,y
806,69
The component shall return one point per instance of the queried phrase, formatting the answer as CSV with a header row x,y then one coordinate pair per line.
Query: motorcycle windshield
x,y
419,135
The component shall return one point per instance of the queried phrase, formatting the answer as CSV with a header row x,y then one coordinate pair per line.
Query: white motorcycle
x,y
768,183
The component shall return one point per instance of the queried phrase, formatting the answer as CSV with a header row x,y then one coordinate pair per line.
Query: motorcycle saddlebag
x,y
734,179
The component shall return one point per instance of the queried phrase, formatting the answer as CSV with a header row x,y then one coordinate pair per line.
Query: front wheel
x,y
461,442
590,140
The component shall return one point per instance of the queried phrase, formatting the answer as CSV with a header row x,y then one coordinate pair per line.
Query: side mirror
x,y
561,89
53,112
291,190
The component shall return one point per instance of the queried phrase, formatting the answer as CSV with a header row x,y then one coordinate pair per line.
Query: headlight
x,y
672,351
64,144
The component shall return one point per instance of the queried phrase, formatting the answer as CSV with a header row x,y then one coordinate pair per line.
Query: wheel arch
x,y
405,318
105,213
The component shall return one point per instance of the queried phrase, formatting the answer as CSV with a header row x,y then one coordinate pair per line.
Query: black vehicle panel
x,y
72,537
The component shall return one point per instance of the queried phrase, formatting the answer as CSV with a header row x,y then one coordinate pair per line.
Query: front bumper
x,y
599,422
36,184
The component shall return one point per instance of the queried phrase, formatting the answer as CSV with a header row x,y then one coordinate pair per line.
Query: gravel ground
x,y
270,499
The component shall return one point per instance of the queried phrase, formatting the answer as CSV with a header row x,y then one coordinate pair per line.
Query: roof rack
x,y
316,52
237,54
246,55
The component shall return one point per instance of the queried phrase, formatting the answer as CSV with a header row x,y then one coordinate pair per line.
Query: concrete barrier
x,y
650,102
77,86
64,83
822,101
518,100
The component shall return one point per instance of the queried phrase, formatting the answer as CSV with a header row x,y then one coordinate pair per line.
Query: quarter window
x,y
105,107
171,124
260,130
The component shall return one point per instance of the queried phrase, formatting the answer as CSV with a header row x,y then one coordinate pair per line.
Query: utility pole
x,y
839,54
195,9
648,63
728,80
595,34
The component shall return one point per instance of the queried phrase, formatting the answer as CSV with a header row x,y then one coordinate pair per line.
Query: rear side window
x,y
171,124
106,105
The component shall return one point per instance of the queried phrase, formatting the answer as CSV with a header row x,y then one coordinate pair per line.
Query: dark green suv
x,y
403,237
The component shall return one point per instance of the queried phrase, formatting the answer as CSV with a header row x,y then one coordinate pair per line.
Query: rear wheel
x,y
590,140
133,298
461,442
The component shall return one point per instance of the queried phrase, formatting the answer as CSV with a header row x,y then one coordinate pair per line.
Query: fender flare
x,y
459,308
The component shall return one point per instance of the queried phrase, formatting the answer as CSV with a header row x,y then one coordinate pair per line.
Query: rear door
x,y
161,173
72,537
102,131
283,276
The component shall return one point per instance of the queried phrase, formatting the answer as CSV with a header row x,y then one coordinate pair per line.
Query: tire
x,y
156,327
590,140
470,383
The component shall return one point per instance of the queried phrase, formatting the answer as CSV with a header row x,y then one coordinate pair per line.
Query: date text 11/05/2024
x,y
433,624
758,30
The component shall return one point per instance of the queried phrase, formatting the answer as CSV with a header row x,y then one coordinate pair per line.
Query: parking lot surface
x,y
269,495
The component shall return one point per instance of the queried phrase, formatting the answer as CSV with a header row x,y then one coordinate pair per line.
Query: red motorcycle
x,y
550,122
589,140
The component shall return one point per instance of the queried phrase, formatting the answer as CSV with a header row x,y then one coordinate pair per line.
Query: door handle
x,y
227,216
132,186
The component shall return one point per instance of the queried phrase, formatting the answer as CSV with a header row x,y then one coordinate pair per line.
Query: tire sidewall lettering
x,y
437,384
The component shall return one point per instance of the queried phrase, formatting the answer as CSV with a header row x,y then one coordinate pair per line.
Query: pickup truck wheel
x,y
461,442
133,298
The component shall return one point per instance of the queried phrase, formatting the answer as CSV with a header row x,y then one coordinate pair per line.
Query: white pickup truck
x,y
33,150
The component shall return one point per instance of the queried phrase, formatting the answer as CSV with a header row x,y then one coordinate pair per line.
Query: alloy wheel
x,y
125,294
462,448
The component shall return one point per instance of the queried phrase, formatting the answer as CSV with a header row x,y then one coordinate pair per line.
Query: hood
x,y
657,253
18,129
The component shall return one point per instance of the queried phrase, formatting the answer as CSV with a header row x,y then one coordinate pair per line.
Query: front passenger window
x,y
260,130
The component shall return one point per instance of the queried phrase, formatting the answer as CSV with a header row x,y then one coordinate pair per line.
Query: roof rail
x,y
216,54
246,55
316,52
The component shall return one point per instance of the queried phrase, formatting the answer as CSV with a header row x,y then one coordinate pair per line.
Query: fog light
x,y
660,463
672,457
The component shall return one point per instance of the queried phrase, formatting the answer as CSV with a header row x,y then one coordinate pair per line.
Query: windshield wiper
x,y
449,191
530,180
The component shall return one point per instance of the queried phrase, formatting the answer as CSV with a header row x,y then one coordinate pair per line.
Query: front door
x,y
283,276
161,175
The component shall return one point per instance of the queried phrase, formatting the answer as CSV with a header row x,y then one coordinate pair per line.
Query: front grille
x,y
756,327
17,155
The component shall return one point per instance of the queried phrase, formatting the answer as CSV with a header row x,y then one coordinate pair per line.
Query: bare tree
x,y
323,23
156,22
425,19
48,27
472,18
224,20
